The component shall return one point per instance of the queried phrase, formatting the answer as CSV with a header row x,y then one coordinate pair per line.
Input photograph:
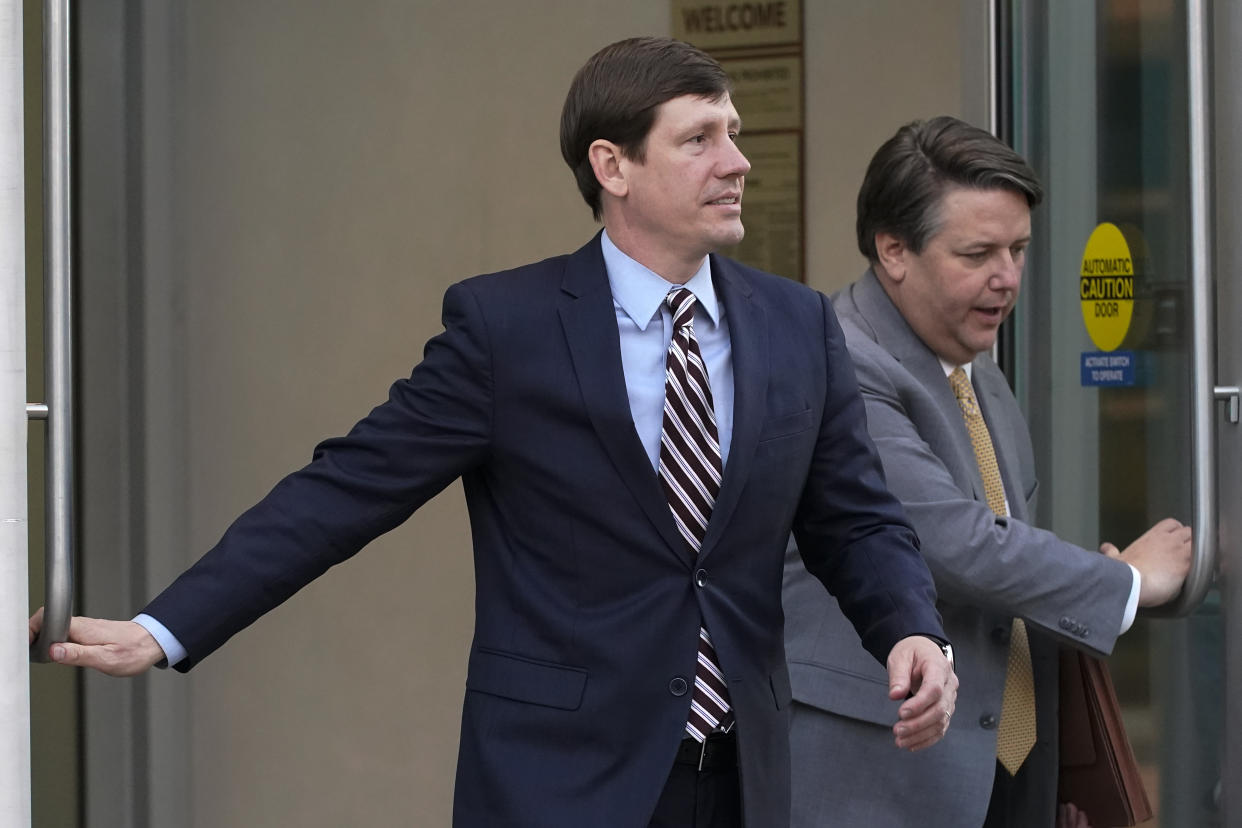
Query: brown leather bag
x,y
1099,773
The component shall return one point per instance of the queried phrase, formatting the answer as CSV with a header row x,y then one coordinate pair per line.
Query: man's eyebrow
x,y
708,123
989,244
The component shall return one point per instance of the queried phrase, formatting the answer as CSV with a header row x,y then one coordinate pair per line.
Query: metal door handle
x,y
1204,391
58,350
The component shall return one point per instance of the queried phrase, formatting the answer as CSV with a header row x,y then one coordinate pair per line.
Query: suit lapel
x,y
890,329
748,343
590,323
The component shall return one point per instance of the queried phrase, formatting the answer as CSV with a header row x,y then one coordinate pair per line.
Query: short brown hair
x,y
909,174
616,93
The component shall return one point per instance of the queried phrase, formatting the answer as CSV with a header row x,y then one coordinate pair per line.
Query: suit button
x,y
987,721
700,578
1000,635
678,686
1065,623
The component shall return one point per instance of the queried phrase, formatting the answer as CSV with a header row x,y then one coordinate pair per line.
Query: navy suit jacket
x,y
588,601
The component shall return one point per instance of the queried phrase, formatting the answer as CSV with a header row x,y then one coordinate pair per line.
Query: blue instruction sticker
x,y
1108,368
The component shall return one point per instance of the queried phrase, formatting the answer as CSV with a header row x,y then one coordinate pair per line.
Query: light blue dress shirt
x,y
645,325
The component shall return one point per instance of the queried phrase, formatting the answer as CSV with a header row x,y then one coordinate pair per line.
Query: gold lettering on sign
x,y
734,17
737,25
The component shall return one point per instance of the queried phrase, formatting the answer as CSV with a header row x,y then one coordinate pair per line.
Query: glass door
x,y
1105,102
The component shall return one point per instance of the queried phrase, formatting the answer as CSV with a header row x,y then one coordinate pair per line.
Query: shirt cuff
x,y
173,651
1132,603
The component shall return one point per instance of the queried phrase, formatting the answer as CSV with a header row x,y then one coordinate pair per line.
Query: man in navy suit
x,y
546,394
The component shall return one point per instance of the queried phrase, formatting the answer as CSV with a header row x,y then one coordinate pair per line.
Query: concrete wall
x,y
313,175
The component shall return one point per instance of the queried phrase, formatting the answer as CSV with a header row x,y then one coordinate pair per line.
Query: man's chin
x,y
983,344
730,237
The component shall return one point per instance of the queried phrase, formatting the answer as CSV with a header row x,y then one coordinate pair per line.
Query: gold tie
x,y
1016,735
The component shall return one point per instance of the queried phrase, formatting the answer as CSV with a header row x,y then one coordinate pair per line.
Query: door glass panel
x,y
1100,109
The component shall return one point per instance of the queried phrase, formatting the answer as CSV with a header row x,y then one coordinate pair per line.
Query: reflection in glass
x,y
1100,111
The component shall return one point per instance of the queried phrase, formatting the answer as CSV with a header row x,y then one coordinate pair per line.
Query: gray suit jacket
x,y
987,569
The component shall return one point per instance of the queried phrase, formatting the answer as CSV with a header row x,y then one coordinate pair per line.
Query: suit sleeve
x,y
434,427
1000,564
852,533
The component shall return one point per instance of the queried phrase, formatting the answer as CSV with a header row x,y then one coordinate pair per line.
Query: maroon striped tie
x,y
690,470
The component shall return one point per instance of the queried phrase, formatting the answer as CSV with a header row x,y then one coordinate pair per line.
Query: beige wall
x,y
332,167
870,67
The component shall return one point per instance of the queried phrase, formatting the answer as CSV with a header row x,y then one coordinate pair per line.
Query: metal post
x,y
57,244
14,600
1202,311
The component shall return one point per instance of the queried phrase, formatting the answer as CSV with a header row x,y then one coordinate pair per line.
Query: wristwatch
x,y
947,649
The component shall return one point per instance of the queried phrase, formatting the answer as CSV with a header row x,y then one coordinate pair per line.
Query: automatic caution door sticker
x,y
1106,292
1106,287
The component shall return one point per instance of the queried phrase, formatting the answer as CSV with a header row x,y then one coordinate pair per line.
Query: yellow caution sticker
x,y
1106,287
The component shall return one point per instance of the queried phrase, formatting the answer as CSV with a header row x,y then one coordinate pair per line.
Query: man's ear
x,y
606,161
891,252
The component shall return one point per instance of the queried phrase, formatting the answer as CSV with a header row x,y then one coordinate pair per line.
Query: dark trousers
x,y
1010,804
709,797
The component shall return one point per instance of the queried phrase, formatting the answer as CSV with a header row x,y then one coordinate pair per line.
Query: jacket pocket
x,y
844,692
785,425
526,680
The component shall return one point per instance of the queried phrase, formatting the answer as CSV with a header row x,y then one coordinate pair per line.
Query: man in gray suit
x,y
944,220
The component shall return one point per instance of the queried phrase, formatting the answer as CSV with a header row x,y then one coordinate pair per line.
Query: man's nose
x,y
734,162
1008,272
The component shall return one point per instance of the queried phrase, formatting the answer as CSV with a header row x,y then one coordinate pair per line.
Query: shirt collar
x,y
640,291
949,367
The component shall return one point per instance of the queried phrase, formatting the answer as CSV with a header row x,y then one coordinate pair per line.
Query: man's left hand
x,y
917,668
